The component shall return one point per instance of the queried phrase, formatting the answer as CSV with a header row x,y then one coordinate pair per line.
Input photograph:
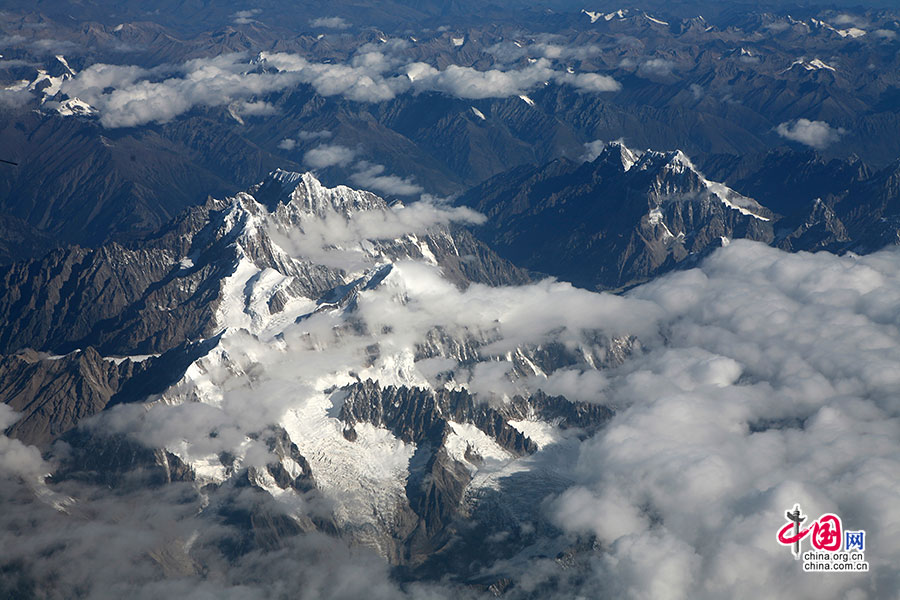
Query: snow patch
x,y
467,437
540,432
735,201
657,21
818,64
208,470
135,358
75,106
812,65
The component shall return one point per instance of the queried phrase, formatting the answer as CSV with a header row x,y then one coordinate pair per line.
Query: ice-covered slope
x,y
392,338
351,359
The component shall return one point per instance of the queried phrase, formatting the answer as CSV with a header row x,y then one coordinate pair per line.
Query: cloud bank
x,y
128,96
763,379
775,387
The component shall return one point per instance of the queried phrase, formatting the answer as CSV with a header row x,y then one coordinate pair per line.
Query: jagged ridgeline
x,y
627,216
366,369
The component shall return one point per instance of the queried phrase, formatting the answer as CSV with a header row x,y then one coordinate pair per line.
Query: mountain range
x,y
445,299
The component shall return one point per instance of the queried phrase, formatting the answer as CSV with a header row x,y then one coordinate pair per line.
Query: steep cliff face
x,y
54,393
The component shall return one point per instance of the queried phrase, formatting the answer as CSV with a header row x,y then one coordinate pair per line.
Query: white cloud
x,y
593,149
365,174
15,97
466,82
243,17
330,23
17,459
312,135
774,386
656,67
328,155
287,144
547,46
362,82
817,134
885,34
590,82
253,109
848,19
128,96
336,240
372,177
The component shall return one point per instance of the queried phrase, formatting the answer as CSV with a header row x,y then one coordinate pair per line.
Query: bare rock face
x,y
153,295
616,221
55,393
418,416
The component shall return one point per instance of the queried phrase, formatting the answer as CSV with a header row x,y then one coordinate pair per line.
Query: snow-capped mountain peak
x,y
617,151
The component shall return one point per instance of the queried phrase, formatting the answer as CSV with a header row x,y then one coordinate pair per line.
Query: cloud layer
x,y
128,96
762,379
775,387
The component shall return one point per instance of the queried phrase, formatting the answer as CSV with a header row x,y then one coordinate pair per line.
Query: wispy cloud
x,y
243,17
373,177
330,23
365,174
329,155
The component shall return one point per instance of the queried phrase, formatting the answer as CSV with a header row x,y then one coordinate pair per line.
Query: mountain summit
x,y
616,220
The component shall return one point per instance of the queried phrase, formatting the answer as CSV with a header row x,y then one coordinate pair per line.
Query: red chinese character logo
x,y
787,538
826,533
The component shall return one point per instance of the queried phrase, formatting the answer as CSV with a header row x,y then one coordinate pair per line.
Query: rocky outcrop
x,y
422,416
54,393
